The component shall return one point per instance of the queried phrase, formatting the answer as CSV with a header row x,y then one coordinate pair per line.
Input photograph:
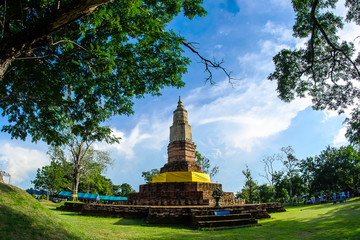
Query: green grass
x,y
22,217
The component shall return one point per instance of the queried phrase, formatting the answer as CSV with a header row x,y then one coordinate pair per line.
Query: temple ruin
x,y
181,181
181,193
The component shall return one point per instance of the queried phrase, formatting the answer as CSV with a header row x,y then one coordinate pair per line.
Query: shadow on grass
x,y
70,213
130,222
19,225
141,223
62,212
172,226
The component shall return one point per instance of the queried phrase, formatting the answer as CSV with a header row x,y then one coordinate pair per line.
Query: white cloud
x,y
245,116
281,3
278,37
261,63
350,32
329,114
340,139
340,9
20,162
127,143
225,30
281,32
238,117
265,5
150,133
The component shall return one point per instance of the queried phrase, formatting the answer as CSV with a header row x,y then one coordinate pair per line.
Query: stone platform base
x,y
180,194
169,214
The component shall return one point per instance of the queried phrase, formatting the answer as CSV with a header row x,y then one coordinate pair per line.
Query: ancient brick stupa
x,y
181,181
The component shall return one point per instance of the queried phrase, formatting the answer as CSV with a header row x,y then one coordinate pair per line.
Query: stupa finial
x,y
180,105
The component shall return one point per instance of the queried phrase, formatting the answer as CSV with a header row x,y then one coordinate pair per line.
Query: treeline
x,y
334,170
59,175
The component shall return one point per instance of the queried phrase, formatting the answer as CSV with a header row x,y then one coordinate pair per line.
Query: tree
x,y
94,182
63,174
86,163
87,59
204,163
270,172
148,175
325,68
54,177
335,169
85,159
353,129
123,190
266,193
281,185
291,164
51,178
307,168
249,191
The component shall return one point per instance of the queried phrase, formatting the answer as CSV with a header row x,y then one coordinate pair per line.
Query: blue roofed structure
x,y
90,196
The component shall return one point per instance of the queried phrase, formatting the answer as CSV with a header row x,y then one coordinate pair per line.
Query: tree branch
x,y
316,2
328,41
4,18
60,41
208,64
38,34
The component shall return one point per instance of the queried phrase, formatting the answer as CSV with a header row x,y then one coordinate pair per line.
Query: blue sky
x,y
233,124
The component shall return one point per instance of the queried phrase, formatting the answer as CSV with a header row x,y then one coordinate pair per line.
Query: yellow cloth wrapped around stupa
x,y
181,177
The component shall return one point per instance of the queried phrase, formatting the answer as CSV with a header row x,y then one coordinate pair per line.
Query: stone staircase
x,y
221,219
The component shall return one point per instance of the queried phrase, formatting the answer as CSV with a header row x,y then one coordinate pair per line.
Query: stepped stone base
x,y
223,221
172,214
180,194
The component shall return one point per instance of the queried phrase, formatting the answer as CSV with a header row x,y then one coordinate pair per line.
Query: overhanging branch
x,y
328,41
209,64
33,37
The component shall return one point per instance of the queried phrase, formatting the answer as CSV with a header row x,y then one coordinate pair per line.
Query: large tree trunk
x,y
78,153
290,193
75,185
250,195
76,175
18,44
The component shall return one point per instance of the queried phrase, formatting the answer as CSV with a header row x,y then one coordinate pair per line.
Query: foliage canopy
x,y
326,68
85,60
148,175
64,172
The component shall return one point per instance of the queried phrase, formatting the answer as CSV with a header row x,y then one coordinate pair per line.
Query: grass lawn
x,y
327,221
22,217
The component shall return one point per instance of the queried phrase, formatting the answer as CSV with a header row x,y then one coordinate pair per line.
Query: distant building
x,y
4,174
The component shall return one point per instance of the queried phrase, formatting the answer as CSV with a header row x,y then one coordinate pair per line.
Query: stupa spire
x,y
181,149
180,130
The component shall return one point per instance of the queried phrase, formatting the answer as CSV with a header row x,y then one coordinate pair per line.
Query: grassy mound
x,y
23,217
